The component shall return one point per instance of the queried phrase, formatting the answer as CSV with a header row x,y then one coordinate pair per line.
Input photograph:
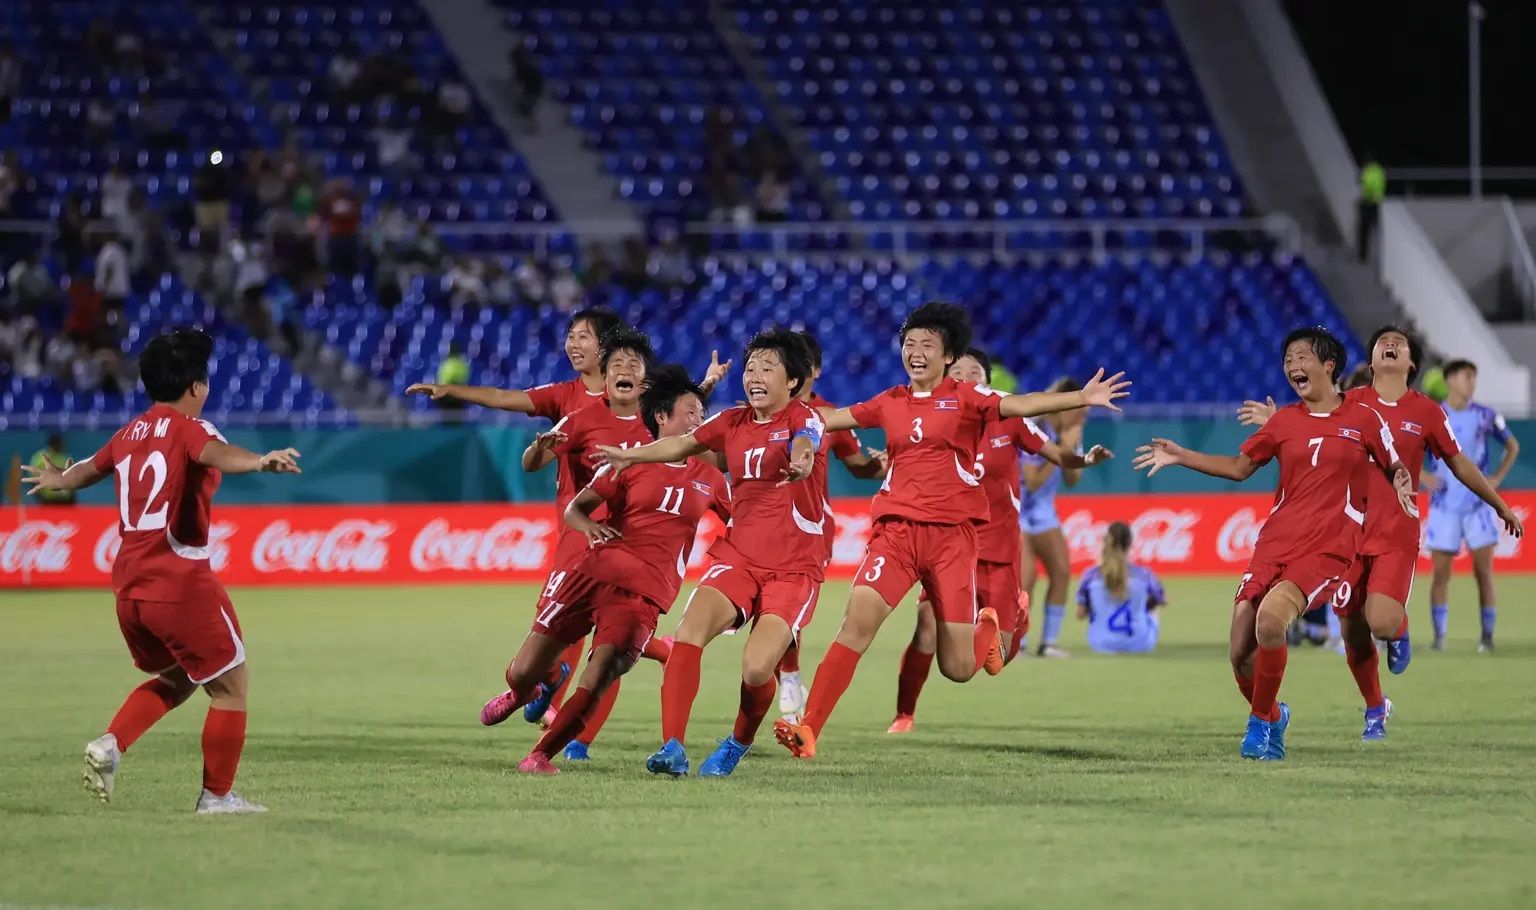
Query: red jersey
x,y
932,438
997,467
560,399
1319,506
585,430
657,507
843,444
1418,425
777,528
164,498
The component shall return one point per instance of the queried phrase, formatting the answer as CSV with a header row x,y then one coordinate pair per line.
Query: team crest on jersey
x,y
1411,427
1350,433
703,487
947,404
1000,442
778,436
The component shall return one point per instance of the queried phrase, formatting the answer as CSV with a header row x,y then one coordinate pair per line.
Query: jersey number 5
x,y
154,464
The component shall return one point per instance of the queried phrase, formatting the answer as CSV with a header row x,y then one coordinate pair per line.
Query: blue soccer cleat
x,y
669,759
724,759
1399,653
1376,721
1256,739
533,712
1277,735
576,750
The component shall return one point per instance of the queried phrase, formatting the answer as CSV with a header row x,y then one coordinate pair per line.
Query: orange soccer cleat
x,y
993,662
902,724
795,736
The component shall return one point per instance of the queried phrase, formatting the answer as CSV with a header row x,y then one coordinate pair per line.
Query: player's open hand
x,y
1407,496
799,467
1158,455
430,389
1256,413
549,440
1512,522
1103,393
1097,455
716,372
599,534
281,461
48,477
882,458
612,456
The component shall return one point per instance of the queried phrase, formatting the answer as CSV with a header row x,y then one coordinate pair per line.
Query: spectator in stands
x,y
594,270
10,81
281,303
772,198
23,344
101,121
452,108
266,180
69,232
393,146
728,204
53,453
250,274
115,190
1373,189
343,75
127,51
565,289
425,250
113,272
84,320
528,82
532,283
10,181
30,286
343,215
633,270
214,186
465,282
391,233
669,266
501,287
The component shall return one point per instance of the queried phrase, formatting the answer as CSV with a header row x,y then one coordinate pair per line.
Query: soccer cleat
x,y
669,759
498,709
1051,651
1376,721
1439,644
1256,739
792,694
724,759
537,763
993,663
230,803
1277,730
1399,653
795,736
534,711
902,724
1486,645
576,750
102,758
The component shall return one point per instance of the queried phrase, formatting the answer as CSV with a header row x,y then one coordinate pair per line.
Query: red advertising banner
x,y
73,547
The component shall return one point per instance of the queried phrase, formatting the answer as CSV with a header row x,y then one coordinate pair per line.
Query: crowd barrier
x,y
73,546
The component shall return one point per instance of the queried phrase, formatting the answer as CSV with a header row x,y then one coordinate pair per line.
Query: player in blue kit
x,y
1044,543
1456,514
1120,599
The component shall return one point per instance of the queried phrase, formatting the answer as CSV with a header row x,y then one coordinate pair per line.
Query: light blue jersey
x,y
1119,625
1037,509
1456,515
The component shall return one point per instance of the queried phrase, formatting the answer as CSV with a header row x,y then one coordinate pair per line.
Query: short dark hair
x,y
1452,367
1065,384
952,324
624,338
980,356
1324,344
664,385
812,346
793,353
601,319
56,441
173,362
1415,349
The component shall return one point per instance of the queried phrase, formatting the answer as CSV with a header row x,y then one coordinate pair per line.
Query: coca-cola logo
x,y
1158,535
105,552
37,546
509,544
1238,536
353,545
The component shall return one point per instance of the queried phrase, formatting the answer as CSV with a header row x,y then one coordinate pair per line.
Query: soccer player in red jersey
x,y
1376,605
865,465
630,574
768,567
1305,551
174,614
928,509
999,542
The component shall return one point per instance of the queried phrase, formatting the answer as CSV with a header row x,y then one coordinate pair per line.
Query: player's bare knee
x,y
1269,628
956,666
228,691
181,687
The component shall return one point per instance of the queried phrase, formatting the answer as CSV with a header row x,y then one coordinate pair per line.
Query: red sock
x,y
986,639
755,702
223,741
1365,666
1268,672
1402,630
570,721
141,710
790,662
656,649
679,687
909,681
600,712
832,679
1245,686
571,655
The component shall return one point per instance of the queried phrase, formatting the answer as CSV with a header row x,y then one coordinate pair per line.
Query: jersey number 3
x,y
153,465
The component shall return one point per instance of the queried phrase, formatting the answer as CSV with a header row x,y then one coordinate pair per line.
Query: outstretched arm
x,y
61,477
665,449
1099,392
1163,452
838,419
541,452
515,400
230,459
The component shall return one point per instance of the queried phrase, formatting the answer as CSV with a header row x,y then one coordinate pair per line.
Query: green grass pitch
x,y
1090,782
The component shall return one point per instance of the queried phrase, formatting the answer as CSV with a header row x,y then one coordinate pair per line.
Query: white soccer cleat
x,y
102,758
792,694
230,803
1052,652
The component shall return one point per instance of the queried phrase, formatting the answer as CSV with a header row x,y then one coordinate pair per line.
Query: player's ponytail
x,y
1114,559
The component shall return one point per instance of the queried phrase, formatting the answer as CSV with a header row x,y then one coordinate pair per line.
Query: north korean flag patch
x,y
1001,442
1350,433
778,436
946,404
703,487
1411,427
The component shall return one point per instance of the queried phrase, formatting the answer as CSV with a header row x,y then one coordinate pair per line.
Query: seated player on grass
x,y
1120,599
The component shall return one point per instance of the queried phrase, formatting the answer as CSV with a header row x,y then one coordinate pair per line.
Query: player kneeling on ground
x,y
628,578
174,614
1120,599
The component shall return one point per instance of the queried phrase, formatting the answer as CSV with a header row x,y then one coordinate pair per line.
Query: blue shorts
x,y
1447,529
1038,517
1142,639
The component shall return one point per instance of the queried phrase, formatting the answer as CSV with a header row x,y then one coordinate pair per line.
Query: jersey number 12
x,y
153,464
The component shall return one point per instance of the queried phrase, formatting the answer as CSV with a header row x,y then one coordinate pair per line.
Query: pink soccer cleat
x,y
537,763
902,724
498,709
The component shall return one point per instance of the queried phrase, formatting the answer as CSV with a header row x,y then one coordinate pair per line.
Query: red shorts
x,y
1322,579
570,549
1389,574
202,636
581,603
943,557
998,585
756,593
